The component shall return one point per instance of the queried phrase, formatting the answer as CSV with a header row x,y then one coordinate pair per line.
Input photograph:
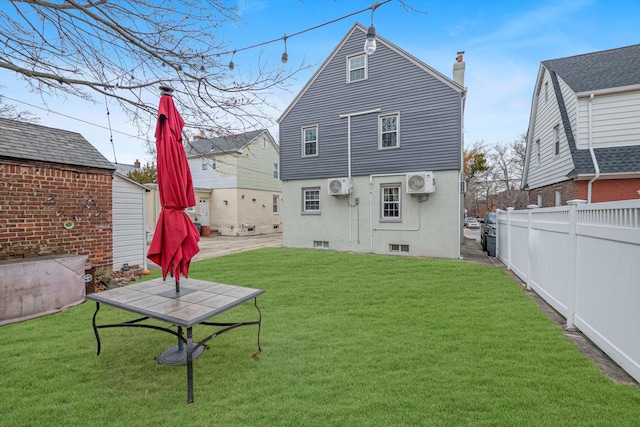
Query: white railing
x,y
584,260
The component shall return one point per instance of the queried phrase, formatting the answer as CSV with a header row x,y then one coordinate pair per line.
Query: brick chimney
x,y
137,164
458,70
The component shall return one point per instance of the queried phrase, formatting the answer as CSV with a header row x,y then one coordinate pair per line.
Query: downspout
x,y
593,154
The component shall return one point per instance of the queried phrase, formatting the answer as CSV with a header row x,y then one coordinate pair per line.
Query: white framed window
x,y
311,200
396,247
357,68
558,197
556,139
389,131
310,141
205,164
321,244
276,204
390,203
276,171
537,153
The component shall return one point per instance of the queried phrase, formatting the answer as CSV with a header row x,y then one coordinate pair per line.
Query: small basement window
x,y
251,229
394,247
320,244
276,227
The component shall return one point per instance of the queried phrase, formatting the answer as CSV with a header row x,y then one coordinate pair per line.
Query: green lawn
x,y
348,340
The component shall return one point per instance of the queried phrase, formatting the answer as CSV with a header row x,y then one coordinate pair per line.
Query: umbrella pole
x,y
177,285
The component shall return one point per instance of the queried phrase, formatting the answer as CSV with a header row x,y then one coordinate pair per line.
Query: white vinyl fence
x,y
584,260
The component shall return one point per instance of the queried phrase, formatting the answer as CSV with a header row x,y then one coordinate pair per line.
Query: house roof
x,y
222,144
27,141
599,70
380,40
606,69
124,169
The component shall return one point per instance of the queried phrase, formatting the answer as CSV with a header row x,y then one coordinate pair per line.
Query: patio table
x,y
197,302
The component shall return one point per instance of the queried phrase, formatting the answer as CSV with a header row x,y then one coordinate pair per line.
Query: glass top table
x,y
197,301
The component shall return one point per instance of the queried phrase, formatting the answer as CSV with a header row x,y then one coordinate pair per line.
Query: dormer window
x,y
356,68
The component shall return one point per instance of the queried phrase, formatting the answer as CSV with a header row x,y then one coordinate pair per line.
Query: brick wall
x,y
37,200
603,190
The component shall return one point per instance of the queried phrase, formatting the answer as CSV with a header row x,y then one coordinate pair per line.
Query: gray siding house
x,y
371,154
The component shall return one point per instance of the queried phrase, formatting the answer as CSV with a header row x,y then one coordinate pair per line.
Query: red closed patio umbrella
x,y
176,237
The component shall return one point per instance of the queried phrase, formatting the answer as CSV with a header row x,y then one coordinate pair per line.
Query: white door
x,y
203,207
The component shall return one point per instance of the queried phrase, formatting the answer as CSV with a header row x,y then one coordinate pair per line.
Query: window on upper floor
x,y
390,203
311,200
276,172
389,131
205,164
356,68
556,139
546,91
537,153
310,141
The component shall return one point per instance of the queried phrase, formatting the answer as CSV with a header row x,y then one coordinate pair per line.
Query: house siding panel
x,y
615,120
552,168
430,114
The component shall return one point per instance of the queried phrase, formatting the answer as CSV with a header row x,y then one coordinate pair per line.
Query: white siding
x,y
615,120
213,178
552,168
129,242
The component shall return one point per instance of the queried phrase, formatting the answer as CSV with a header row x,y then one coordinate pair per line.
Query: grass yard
x,y
348,340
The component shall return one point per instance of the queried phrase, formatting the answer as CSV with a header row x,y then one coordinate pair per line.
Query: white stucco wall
x,y
430,228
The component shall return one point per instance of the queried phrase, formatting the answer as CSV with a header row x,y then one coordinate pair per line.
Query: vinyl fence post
x,y
529,245
509,242
573,262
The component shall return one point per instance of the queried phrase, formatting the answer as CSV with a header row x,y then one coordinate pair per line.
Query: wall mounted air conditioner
x,y
420,183
339,186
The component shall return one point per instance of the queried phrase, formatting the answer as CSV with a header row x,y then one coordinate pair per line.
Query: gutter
x,y
593,154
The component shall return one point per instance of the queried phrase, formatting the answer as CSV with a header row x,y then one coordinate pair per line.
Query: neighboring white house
x,y
129,230
237,184
584,129
371,154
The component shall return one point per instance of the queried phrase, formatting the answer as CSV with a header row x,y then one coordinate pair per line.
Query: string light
x,y
231,64
285,55
370,42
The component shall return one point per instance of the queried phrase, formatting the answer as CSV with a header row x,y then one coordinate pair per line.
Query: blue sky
x,y
504,43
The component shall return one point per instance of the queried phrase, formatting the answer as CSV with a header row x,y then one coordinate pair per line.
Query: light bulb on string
x,y
231,64
285,55
370,42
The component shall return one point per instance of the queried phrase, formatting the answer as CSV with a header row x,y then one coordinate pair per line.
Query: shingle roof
x,y
590,72
599,70
19,140
219,145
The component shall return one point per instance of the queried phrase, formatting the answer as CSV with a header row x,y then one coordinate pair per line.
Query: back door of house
x,y
203,207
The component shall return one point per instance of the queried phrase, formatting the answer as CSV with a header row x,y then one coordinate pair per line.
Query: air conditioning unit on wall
x,y
339,186
421,183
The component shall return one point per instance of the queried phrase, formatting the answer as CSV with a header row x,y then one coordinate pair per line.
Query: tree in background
x,y
123,50
9,111
146,175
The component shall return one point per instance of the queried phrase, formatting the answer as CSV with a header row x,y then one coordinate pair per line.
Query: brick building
x,y
55,195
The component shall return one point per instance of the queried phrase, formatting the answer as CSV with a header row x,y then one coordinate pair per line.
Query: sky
x,y
504,43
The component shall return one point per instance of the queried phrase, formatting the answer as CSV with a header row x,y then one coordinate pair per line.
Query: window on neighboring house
x,y
537,153
310,141
558,197
357,68
539,200
556,139
390,206
311,200
205,164
389,126
213,163
546,91
276,172
276,204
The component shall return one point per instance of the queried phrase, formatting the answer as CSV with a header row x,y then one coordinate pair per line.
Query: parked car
x,y
487,228
472,223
